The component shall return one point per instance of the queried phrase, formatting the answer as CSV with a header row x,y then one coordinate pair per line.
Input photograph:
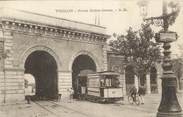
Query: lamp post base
x,y
175,114
169,106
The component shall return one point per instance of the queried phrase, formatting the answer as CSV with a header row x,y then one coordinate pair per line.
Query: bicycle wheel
x,y
137,101
130,99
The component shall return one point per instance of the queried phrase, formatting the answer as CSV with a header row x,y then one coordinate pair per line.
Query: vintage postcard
x,y
91,58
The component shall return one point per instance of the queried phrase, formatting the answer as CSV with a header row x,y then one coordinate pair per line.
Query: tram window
x,y
93,82
115,82
108,82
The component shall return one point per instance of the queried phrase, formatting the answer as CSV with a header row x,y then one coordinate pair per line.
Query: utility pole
x,y
143,5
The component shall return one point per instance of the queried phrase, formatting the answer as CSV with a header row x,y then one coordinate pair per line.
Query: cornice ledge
x,y
47,30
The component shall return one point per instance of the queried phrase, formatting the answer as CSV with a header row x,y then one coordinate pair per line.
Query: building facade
x,y
178,70
151,81
53,50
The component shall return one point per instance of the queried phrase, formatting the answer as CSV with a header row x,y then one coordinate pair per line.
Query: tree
x,y
138,48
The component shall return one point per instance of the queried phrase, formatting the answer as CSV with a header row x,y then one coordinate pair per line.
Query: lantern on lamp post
x,y
143,5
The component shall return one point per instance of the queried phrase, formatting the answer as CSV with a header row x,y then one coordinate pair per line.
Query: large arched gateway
x,y
44,69
51,49
129,77
81,63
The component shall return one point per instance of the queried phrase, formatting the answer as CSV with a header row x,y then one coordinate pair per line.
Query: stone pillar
x,y
104,57
159,83
159,80
14,85
12,79
1,68
2,88
148,84
181,83
136,82
64,83
8,51
159,75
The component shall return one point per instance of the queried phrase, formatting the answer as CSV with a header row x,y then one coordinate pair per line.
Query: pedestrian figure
x,y
29,84
59,97
28,92
141,93
71,93
133,93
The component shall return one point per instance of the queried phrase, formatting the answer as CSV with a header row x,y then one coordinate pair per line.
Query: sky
x,y
116,15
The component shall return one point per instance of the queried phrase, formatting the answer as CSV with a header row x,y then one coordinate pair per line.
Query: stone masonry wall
x,y
20,42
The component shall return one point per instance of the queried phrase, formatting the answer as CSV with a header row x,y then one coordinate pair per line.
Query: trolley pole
x,y
169,105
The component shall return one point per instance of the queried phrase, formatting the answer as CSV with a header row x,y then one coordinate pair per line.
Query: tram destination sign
x,y
167,36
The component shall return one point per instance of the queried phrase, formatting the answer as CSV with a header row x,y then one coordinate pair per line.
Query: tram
x,y
100,87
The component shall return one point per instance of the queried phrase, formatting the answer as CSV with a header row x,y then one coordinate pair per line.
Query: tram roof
x,y
109,73
105,73
84,73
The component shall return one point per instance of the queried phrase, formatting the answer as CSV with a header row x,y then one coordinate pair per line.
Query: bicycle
x,y
131,99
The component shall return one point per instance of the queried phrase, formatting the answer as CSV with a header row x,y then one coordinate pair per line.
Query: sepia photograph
x,y
91,58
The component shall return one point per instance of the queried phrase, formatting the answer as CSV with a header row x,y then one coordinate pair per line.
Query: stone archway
x,y
129,77
27,52
82,63
153,80
83,52
43,63
43,67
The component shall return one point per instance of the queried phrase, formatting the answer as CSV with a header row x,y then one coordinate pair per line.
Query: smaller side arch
x,y
83,52
39,48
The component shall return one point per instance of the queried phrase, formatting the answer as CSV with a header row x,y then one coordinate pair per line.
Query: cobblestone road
x,y
83,109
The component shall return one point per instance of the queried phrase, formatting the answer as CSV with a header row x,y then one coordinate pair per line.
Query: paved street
x,y
83,109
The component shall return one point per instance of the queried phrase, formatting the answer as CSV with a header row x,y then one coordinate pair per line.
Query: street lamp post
x,y
169,105
143,5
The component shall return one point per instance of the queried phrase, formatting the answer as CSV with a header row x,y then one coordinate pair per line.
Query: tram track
x,y
70,109
45,108
60,110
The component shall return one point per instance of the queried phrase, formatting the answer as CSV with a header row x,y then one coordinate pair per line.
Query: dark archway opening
x,y
142,79
44,69
129,77
81,63
153,80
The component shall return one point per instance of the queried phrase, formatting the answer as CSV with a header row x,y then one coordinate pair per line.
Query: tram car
x,y
100,87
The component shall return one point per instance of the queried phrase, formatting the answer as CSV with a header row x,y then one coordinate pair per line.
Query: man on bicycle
x,y
133,93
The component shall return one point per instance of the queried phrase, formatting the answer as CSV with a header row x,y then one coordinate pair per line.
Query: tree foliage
x,y
138,48
175,6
